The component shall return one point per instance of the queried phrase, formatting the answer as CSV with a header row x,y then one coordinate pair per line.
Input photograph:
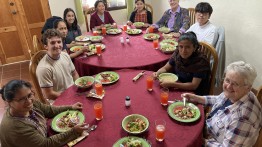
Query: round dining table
x,y
138,53
143,102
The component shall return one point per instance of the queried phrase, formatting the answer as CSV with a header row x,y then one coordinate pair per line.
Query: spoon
x,y
184,101
92,128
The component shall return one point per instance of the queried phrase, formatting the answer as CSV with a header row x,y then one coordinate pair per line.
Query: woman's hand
x,y
77,106
176,35
129,23
114,25
85,49
155,75
146,25
80,128
194,98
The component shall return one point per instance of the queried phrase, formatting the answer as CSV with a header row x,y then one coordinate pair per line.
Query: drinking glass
x,y
124,27
155,44
149,82
151,29
98,49
99,88
160,127
164,96
98,110
104,30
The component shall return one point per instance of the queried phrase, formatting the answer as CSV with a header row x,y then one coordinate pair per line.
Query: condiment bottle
x,y
127,101
127,40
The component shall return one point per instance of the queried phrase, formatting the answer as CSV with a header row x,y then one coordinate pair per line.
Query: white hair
x,y
244,69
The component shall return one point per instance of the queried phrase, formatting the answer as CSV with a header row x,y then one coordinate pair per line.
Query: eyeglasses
x,y
24,99
233,84
173,0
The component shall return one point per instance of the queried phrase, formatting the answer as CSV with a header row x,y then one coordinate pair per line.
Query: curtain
x,y
130,8
79,12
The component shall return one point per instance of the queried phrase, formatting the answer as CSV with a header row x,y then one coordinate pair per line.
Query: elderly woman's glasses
x,y
233,84
24,99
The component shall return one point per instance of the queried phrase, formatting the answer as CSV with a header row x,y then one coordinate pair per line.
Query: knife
x,y
138,76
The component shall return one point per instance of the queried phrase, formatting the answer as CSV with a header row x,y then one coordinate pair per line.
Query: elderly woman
x,y
24,122
235,118
141,14
203,28
72,26
176,18
189,64
101,16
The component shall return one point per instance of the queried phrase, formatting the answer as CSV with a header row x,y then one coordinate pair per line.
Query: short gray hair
x,y
244,69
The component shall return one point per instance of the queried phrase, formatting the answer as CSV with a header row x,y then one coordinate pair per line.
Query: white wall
x,y
243,25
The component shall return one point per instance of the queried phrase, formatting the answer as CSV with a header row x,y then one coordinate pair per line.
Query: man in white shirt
x,y
55,71
203,28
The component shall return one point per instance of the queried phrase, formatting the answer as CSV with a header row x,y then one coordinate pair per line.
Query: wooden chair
x,y
192,16
32,71
87,14
2,54
211,54
37,45
259,139
149,8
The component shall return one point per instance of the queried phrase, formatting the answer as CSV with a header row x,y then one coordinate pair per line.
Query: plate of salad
x,y
107,77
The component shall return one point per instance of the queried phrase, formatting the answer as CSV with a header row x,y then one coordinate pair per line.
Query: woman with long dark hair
x,y
140,14
100,17
24,122
189,64
72,26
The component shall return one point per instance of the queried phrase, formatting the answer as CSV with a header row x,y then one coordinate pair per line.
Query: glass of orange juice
x,y
98,110
94,33
104,30
164,96
99,88
124,27
149,82
155,44
160,128
151,29
98,49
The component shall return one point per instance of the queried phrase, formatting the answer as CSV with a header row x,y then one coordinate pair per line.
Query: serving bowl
x,y
85,82
131,122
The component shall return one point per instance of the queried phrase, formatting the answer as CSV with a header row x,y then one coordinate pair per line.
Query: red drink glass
x,y
164,96
160,127
98,50
149,83
98,110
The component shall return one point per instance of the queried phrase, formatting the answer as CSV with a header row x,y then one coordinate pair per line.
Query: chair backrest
x,y
259,139
87,14
37,45
192,16
32,71
150,8
211,54
2,54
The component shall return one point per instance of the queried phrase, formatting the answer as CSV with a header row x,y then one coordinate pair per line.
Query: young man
x,y
55,71
203,28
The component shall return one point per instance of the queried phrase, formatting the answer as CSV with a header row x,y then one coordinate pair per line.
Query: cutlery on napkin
x,y
138,76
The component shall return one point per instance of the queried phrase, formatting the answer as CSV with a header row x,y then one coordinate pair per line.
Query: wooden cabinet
x,y
20,20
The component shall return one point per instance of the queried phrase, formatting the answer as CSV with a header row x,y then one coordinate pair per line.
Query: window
x,y
110,4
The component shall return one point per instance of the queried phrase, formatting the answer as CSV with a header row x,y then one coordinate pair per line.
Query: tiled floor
x,y
10,72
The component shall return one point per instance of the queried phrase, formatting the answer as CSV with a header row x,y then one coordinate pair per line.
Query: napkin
x,y
93,94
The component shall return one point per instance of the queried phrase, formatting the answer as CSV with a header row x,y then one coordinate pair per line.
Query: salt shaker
x,y
122,39
127,101
127,40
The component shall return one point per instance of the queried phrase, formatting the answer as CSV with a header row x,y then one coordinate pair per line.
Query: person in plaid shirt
x,y
235,118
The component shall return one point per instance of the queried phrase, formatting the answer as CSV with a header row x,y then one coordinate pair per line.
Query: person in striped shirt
x,y
235,118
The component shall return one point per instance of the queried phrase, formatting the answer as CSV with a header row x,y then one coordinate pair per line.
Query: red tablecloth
x,y
146,103
138,54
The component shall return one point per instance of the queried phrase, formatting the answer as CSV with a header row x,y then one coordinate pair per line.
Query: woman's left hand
x,y
146,25
77,106
177,35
